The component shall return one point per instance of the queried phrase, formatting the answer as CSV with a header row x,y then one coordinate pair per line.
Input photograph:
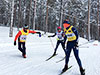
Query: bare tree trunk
x,y
14,20
24,11
11,26
46,26
89,19
29,13
34,14
98,21
61,13
19,15
74,18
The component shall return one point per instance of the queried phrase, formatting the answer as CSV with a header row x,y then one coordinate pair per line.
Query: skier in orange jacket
x,y
22,35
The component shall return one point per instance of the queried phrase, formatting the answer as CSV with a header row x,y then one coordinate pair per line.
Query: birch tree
x,y
61,13
19,15
46,26
34,14
89,19
11,26
98,21
29,13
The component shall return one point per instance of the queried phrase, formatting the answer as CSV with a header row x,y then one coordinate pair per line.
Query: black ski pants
x,y
62,43
70,46
21,47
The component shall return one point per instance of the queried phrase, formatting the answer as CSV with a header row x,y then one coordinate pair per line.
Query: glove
x,y
76,44
39,34
48,36
14,43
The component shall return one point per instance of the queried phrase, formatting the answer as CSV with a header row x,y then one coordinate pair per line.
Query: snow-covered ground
x,y
38,50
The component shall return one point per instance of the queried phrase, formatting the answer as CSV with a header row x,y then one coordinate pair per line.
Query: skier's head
x,y
25,26
59,29
66,23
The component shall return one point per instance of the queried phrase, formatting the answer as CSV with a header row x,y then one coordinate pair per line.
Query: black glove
x,y
14,43
76,44
39,34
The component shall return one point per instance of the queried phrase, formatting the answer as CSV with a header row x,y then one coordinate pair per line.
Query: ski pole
x,y
83,46
86,42
51,42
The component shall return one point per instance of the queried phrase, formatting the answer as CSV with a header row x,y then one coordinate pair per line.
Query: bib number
x,y
23,37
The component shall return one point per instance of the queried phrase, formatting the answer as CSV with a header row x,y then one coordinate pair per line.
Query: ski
x,y
65,71
60,60
51,57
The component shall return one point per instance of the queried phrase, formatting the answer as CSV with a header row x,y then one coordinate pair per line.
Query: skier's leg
x,y
76,53
19,46
24,50
58,42
66,59
65,38
63,46
68,51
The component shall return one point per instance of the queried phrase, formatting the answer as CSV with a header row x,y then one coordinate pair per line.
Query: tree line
x,y
46,15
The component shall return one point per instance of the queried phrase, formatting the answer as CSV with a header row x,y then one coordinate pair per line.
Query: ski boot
x,y
82,71
65,68
54,54
24,56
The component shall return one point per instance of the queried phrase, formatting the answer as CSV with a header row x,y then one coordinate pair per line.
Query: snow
x,y
38,50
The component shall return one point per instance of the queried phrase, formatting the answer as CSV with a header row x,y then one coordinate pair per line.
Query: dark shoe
x,y
65,68
54,54
82,71
24,56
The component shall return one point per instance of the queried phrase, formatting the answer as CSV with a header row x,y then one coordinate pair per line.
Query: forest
x,y
46,15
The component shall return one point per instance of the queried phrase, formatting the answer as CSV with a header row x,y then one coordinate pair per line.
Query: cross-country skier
x,y
72,43
61,38
22,35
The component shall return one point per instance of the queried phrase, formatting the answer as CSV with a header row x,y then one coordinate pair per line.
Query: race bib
x,y
60,37
23,37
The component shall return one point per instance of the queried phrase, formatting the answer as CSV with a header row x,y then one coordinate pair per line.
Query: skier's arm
x,y
30,31
52,35
18,34
63,34
76,33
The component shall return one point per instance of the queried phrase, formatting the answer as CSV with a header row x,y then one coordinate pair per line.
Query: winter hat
x,y
26,26
66,23
58,27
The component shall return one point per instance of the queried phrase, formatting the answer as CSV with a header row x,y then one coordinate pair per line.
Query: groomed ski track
x,y
38,50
